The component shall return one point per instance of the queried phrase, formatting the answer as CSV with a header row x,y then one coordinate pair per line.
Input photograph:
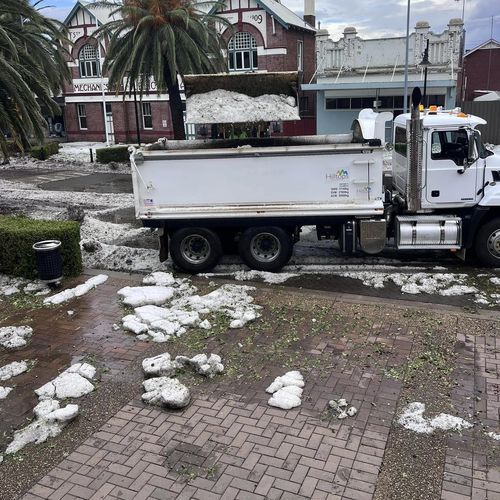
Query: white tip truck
x,y
207,197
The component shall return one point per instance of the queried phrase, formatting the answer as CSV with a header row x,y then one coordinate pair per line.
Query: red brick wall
x,y
477,66
124,122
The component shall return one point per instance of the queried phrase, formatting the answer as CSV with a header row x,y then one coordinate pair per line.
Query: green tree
x,y
161,41
32,71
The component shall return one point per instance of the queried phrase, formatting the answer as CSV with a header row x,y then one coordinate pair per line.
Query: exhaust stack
x,y
415,153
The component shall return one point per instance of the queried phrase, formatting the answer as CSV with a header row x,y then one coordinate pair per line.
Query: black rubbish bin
x,y
49,260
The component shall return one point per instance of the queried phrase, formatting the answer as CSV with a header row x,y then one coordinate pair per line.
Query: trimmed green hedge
x,y
18,234
45,150
118,154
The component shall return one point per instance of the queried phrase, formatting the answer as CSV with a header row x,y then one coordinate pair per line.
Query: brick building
x,y
265,36
481,71
89,104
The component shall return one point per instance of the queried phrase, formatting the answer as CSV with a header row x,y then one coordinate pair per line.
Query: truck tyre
x,y
487,244
266,248
195,250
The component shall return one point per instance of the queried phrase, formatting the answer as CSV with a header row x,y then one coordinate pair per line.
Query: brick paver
x,y
229,444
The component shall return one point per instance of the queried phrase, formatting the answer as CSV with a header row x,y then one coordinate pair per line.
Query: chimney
x,y
310,12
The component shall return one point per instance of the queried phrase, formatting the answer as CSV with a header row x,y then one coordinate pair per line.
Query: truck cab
x,y
455,163
445,181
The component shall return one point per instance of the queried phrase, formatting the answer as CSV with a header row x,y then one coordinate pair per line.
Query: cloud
x,y
374,19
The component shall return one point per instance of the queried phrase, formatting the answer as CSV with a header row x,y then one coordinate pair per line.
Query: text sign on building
x,y
93,85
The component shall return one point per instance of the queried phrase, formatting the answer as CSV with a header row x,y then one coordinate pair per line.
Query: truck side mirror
x,y
471,148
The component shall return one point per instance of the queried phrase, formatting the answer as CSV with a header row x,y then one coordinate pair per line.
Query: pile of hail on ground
x,y
50,416
10,371
286,390
163,390
166,307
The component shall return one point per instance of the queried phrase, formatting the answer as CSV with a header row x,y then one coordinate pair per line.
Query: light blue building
x,y
354,73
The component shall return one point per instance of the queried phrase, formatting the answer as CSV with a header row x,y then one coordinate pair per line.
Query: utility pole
x,y
407,56
103,93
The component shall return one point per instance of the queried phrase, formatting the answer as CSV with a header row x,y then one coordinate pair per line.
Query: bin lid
x,y
44,246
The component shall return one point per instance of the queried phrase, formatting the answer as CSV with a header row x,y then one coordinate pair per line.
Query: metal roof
x,y
284,15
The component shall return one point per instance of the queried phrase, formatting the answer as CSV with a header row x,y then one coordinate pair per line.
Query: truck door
x,y
447,182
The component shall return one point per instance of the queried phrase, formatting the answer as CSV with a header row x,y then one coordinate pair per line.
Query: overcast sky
x,y
374,18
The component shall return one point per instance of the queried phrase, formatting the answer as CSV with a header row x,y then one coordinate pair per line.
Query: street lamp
x,y
425,63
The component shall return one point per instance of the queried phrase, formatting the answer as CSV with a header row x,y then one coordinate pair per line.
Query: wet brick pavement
x,y
230,444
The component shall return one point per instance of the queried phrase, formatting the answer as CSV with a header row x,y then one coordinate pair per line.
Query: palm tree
x,y
32,71
161,41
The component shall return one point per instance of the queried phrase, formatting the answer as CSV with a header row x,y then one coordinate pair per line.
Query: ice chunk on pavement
x,y
78,291
49,422
161,323
267,277
351,411
493,435
13,370
45,407
164,391
205,324
69,412
290,378
161,365
14,336
143,295
84,369
412,418
232,300
71,383
284,400
208,366
4,392
286,390
160,278
495,281
132,324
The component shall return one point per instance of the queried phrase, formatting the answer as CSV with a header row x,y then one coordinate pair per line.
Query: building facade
x,y
481,71
92,111
264,36
356,73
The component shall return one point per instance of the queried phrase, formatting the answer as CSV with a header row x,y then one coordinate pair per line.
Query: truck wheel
x,y
195,250
265,248
487,245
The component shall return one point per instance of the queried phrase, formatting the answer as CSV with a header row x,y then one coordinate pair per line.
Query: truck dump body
x,y
259,182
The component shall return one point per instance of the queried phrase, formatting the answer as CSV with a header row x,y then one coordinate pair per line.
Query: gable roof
x,y
284,15
494,44
102,14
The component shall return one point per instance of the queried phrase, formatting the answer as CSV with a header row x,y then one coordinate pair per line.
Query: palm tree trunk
x,y
176,108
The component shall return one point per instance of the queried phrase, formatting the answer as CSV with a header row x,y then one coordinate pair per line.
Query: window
x,y
147,118
400,144
82,116
450,145
242,52
300,56
89,64
349,103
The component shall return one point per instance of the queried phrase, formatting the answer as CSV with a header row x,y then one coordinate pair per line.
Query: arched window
x,y
89,64
242,52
